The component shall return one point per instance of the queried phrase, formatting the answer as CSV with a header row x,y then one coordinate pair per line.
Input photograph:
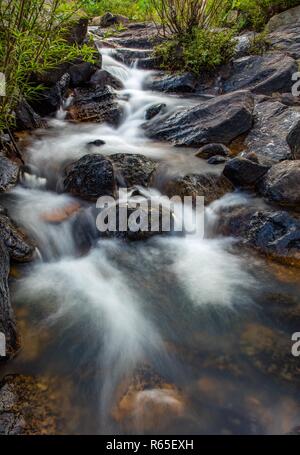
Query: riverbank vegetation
x,y
33,39
199,35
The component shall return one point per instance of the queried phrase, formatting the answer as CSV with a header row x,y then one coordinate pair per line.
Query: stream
x,y
185,335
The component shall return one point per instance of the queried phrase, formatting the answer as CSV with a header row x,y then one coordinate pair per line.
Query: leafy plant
x,y
180,17
203,50
32,40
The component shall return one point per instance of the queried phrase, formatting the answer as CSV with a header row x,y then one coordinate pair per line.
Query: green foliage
x,y
32,41
133,9
256,13
203,50
259,44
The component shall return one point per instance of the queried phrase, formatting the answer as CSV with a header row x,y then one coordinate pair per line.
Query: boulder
x,y
243,172
9,174
27,118
109,19
178,83
261,74
209,185
130,56
221,120
77,32
50,100
95,105
287,39
17,244
210,150
274,234
275,131
288,17
81,73
90,177
281,185
132,169
103,78
7,320
138,36
154,110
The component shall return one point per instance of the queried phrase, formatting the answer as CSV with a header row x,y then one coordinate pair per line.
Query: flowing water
x,y
172,335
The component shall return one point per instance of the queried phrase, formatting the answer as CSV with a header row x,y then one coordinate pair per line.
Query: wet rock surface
x,y
261,74
27,118
281,185
50,100
243,172
182,83
9,174
271,137
7,320
154,110
132,169
211,150
103,78
95,105
90,177
287,39
18,245
273,233
209,185
31,406
220,119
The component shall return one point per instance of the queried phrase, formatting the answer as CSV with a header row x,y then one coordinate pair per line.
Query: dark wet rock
x,y
261,74
90,177
154,110
273,122
146,36
50,100
7,320
273,233
287,39
96,143
133,169
77,32
109,19
281,184
217,159
81,73
33,406
221,120
95,105
243,172
102,78
129,56
18,245
210,150
286,18
9,174
149,63
209,185
139,220
178,83
27,118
